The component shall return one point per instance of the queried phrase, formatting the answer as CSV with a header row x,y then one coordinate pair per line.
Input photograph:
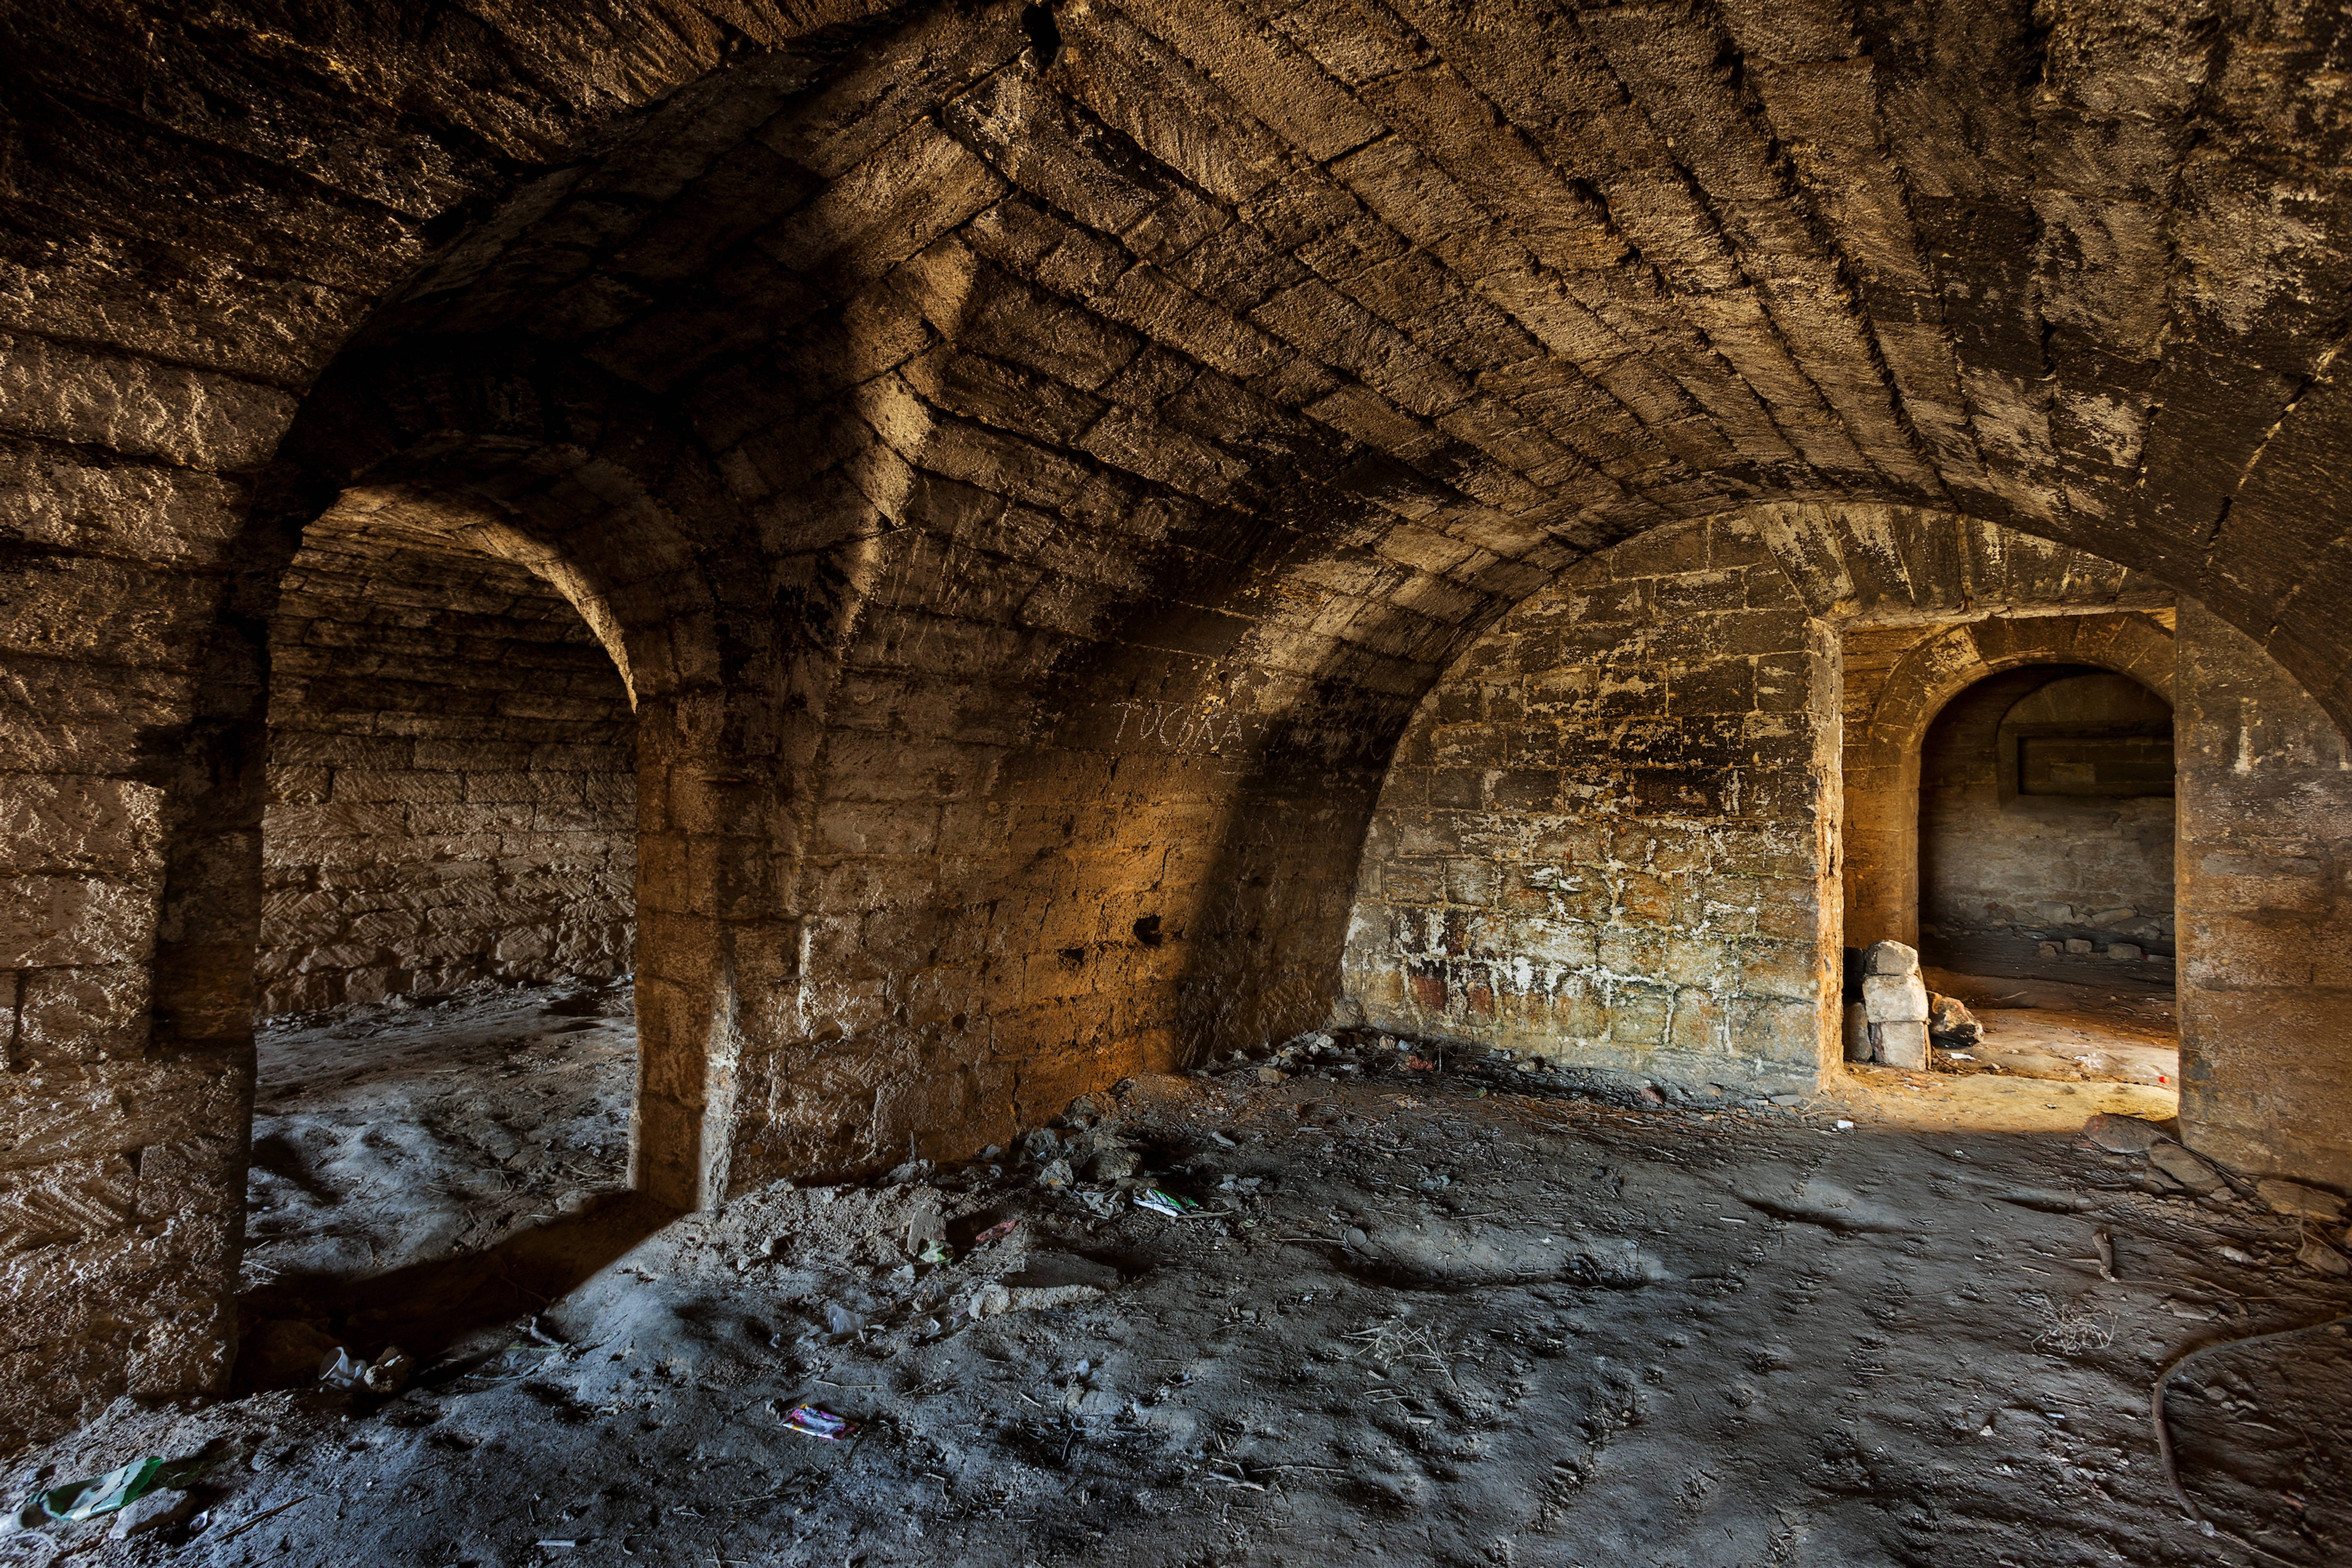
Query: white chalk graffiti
x,y
1181,726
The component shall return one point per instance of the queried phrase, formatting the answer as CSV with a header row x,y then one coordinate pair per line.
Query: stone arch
x,y
1384,373
1879,866
583,523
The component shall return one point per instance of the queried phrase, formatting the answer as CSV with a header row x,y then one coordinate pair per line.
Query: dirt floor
x,y
1426,1312
394,1133
2121,1028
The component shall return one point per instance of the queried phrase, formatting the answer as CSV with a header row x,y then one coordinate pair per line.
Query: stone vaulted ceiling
x,y
1344,321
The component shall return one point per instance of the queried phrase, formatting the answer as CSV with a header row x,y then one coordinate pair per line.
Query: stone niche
x,y
451,788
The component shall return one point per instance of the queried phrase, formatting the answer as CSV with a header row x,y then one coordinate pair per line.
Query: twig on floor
x,y
268,1513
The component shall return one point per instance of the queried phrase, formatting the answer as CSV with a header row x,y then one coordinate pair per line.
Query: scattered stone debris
x,y
1500,1306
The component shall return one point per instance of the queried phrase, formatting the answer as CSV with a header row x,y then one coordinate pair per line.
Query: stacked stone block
x,y
2265,891
1893,1007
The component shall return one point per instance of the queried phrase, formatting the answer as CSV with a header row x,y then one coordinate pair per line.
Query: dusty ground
x,y
1468,1317
390,1133
2120,1029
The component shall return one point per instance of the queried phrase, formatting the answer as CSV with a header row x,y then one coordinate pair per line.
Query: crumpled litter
x,y
386,1375
1166,1203
996,1232
76,1501
815,1421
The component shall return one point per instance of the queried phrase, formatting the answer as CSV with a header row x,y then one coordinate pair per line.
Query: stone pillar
x,y
2265,901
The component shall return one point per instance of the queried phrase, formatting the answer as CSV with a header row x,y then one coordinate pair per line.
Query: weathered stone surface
x,y
1890,960
422,833
1895,998
889,388
1900,1044
2294,1197
2122,1134
2196,1174
2266,912
1600,840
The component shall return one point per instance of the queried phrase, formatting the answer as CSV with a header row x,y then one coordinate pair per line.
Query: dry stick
x,y
2156,1406
257,1519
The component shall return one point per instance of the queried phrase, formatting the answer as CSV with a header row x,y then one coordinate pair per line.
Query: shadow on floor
x,y
428,1308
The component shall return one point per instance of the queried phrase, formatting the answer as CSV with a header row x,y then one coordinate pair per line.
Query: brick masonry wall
x,y
451,787
2265,872
1605,838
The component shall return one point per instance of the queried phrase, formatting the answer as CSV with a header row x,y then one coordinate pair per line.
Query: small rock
x,y
2294,1197
2126,952
282,1354
156,1511
2318,1254
389,1373
1950,1023
2047,950
1047,1280
1271,1075
2122,1134
2077,945
1117,1164
2184,1167
574,1202
1890,958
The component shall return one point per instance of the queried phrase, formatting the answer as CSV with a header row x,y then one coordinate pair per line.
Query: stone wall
x,y
1283,357
2003,864
452,795
1606,838
2265,859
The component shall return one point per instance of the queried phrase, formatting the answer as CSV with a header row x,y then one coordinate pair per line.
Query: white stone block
x,y
1890,958
1900,1045
1895,998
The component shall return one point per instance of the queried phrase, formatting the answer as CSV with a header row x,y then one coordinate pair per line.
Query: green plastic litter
x,y
77,1501
112,1490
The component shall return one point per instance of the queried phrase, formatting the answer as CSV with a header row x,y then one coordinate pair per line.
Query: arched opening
x,y
2046,880
445,1030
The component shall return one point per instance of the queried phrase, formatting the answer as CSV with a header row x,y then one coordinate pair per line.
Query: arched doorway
x,y
2045,870
446,1039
